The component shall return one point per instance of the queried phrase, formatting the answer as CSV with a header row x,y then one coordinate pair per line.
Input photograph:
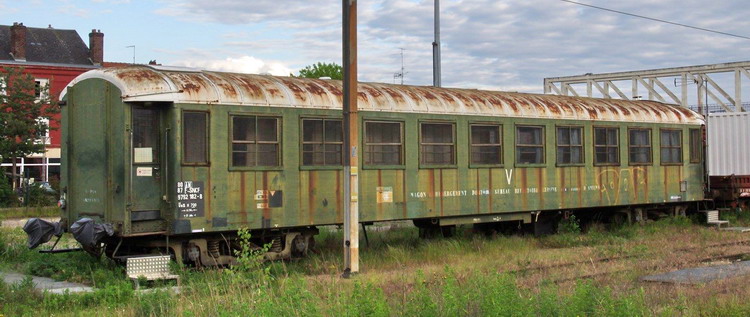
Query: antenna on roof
x,y
401,73
133,46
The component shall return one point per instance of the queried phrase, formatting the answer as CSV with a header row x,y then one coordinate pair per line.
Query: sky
x,y
509,45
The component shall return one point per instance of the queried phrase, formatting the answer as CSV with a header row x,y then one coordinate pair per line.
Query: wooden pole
x,y
351,140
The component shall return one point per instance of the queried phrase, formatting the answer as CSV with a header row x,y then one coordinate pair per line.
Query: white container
x,y
729,144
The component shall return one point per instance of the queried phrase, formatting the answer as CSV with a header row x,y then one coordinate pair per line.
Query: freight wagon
x,y
729,156
159,158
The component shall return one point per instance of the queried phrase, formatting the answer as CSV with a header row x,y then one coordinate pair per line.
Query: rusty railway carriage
x,y
184,158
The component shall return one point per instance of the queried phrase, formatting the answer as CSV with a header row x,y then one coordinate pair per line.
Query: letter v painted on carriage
x,y
508,175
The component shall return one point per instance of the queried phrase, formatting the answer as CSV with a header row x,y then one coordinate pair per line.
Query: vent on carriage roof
x,y
19,43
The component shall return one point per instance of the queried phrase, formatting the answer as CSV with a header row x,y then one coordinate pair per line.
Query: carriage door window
x,y
194,137
145,136
696,145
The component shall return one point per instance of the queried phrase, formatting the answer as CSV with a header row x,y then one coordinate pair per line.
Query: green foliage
x,y
7,196
569,225
251,260
20,114
36,196
332,70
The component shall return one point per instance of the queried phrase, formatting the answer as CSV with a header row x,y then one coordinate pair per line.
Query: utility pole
x,y
351,140
436,48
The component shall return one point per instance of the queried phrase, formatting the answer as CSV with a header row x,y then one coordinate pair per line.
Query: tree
x,y
25,110
332,70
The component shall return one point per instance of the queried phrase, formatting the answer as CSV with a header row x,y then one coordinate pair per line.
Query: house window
x,y
639,146
696,145
195,137
322,142
569,145
486,144
529,145
43,138
606,146
255,141
41,88
383,143
437,144
671,146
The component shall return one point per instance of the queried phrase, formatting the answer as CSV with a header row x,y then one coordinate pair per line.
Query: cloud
x,y
71,9
512,44
261,11
242,64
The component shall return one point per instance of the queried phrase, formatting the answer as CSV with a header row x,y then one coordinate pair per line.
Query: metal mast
x,y
436,48
351,140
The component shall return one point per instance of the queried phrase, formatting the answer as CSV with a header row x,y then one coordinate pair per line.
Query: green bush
x,y
570,225
7,196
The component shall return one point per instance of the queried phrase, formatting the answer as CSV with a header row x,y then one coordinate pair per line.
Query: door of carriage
x,y
147,178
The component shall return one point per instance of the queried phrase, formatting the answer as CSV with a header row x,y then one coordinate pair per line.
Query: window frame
x,y
650,147
43,93
582,146
454,152
501,144
208,138
681,145
302,143
364,145
279,141
516,145
617,147
696,152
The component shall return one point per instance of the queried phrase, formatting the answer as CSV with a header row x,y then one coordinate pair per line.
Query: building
x,y
53,57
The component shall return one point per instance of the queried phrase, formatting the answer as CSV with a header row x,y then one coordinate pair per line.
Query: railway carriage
x,y
182,159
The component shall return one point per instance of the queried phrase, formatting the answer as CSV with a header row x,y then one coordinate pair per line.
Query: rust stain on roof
x,y
145,83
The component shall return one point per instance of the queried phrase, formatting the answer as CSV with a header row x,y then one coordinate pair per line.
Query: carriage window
x,y
486,144
255,141
639,146
606,146
322,142
145,135
671,146
696,145
383,142
195,137
437,144
530,145
569,145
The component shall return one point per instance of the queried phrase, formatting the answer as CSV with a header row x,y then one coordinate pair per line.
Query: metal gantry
x,y
718,83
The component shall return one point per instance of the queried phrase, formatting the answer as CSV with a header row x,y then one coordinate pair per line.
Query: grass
x,y
29,212
402,275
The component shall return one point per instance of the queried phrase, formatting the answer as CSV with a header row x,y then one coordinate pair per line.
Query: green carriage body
x,y
109,178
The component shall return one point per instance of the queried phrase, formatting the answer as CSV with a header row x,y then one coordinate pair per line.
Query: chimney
x,y
18,41
96,47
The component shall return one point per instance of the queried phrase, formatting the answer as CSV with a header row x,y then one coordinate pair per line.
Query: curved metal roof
x,y
181,85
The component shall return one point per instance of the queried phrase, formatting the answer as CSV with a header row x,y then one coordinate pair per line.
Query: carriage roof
x,y
182,85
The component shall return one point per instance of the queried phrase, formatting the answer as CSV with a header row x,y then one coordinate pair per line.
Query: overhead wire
x,y
657,20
